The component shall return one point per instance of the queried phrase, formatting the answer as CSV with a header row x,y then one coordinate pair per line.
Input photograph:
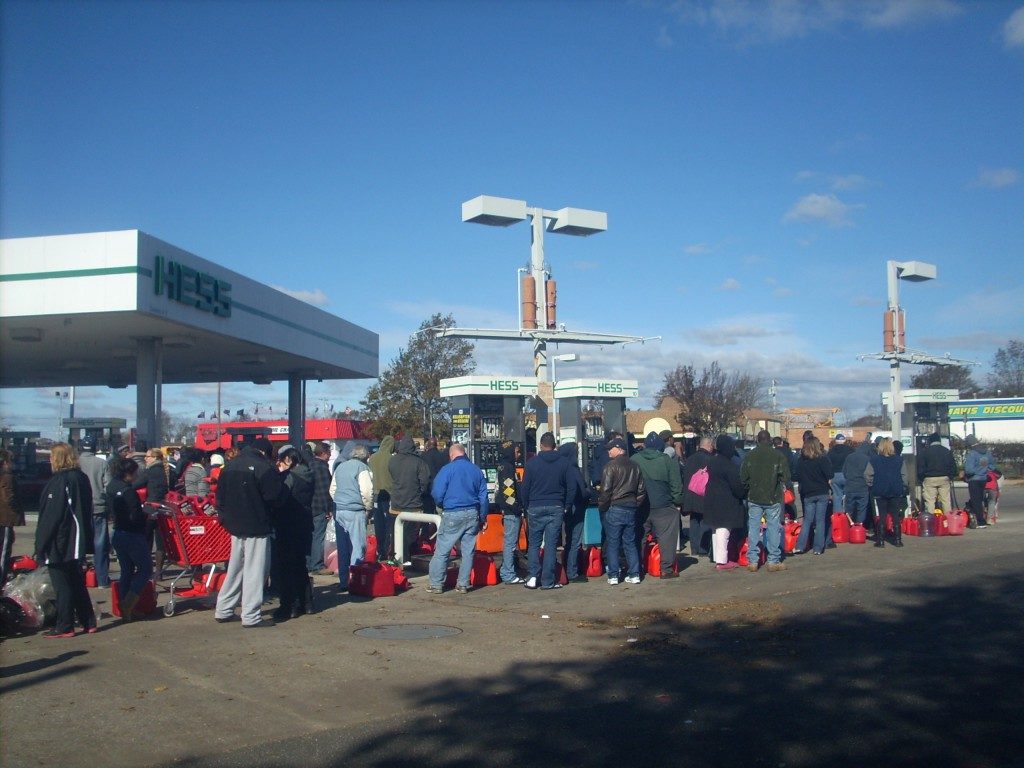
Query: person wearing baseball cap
x,y
622,493
977,464
246,510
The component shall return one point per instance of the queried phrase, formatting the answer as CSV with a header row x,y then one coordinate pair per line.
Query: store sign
x,y
504,385
191,287
609,388
986,411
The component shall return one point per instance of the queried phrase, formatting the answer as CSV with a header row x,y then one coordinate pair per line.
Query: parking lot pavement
x,y
859,657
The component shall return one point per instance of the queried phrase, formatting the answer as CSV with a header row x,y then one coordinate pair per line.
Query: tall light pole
x,y
60,411
571,357
895,331
503,212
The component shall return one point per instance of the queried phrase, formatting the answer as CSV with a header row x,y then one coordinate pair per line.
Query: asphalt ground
x,y
859,657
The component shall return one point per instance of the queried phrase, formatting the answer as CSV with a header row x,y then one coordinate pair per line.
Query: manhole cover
x,y
408,631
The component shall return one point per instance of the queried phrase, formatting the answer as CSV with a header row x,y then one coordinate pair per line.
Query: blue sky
x,y
759,162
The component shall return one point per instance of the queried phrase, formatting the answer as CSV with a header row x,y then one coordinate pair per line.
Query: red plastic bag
x,y
791,534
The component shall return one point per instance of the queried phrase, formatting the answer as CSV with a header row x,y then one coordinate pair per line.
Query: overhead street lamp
x,y
895,330
571,357
503,212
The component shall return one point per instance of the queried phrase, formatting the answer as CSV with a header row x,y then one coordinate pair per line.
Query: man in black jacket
x,y
410,481
936,469
323,507
622,492
249,490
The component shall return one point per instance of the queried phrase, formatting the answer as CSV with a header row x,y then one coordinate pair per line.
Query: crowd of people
x,y
278,506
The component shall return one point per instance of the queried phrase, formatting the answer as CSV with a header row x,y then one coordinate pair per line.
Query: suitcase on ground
x,y
492,540
145,606
371,580
591,527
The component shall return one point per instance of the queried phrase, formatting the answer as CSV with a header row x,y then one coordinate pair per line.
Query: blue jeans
x,y
856,506
458,526
838,492
573,520
508,552
350,530
620,531
101,550
815,510
772,531
315,558
543,526
136,563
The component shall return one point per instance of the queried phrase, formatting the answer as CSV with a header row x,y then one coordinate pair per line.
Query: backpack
x,y
698,482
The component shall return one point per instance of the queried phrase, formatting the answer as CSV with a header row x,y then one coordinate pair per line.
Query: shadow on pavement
x,y
931,676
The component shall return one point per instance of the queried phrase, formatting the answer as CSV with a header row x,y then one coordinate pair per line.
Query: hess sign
x,y
191,287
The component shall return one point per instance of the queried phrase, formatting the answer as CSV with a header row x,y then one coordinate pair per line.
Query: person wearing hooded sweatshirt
x,y
410,481
507,499
855,500
575,512
723,501
352,491
378,464
664,485
64,537
129,537
546,493
977,464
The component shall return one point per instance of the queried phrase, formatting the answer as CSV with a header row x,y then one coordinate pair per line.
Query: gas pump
x,y
486,411
588,409
927,412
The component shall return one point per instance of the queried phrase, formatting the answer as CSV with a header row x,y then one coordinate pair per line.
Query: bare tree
x,y
956,377
1007,377
712,401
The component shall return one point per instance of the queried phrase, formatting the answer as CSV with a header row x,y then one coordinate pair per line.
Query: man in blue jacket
x,y
977,464
460,490
545,493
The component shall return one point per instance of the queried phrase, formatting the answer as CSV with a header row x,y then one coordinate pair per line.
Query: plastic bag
x,y
331,533
33,592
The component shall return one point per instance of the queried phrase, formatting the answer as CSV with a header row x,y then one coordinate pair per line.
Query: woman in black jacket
x,y
129,538
723,500
293,537
814,474
157,478
64,537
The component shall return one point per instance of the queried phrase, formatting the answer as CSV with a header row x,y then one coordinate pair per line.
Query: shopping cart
x,y
192,540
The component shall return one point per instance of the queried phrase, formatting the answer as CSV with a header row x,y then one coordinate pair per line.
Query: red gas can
x,y
841,528
791,533
371,580
145,606
911,526
857,534
955,523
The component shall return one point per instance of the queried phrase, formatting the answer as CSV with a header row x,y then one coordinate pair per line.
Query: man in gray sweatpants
x,y
248,490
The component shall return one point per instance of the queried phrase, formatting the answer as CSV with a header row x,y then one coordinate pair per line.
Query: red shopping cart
x,y
192,540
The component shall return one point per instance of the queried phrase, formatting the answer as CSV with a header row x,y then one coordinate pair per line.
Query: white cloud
x,y
697,249
316,297
664,39
772,20
730,284
996,178
827,209
584,265
1013,29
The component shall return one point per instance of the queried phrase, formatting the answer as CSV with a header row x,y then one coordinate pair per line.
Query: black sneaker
x,y
262,624
554,586
226,620
581,579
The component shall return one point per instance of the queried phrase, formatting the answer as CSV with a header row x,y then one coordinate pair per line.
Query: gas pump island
x,y
586,411
486,411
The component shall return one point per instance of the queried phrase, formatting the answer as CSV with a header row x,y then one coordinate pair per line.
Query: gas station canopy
x,y
73,309
120,308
